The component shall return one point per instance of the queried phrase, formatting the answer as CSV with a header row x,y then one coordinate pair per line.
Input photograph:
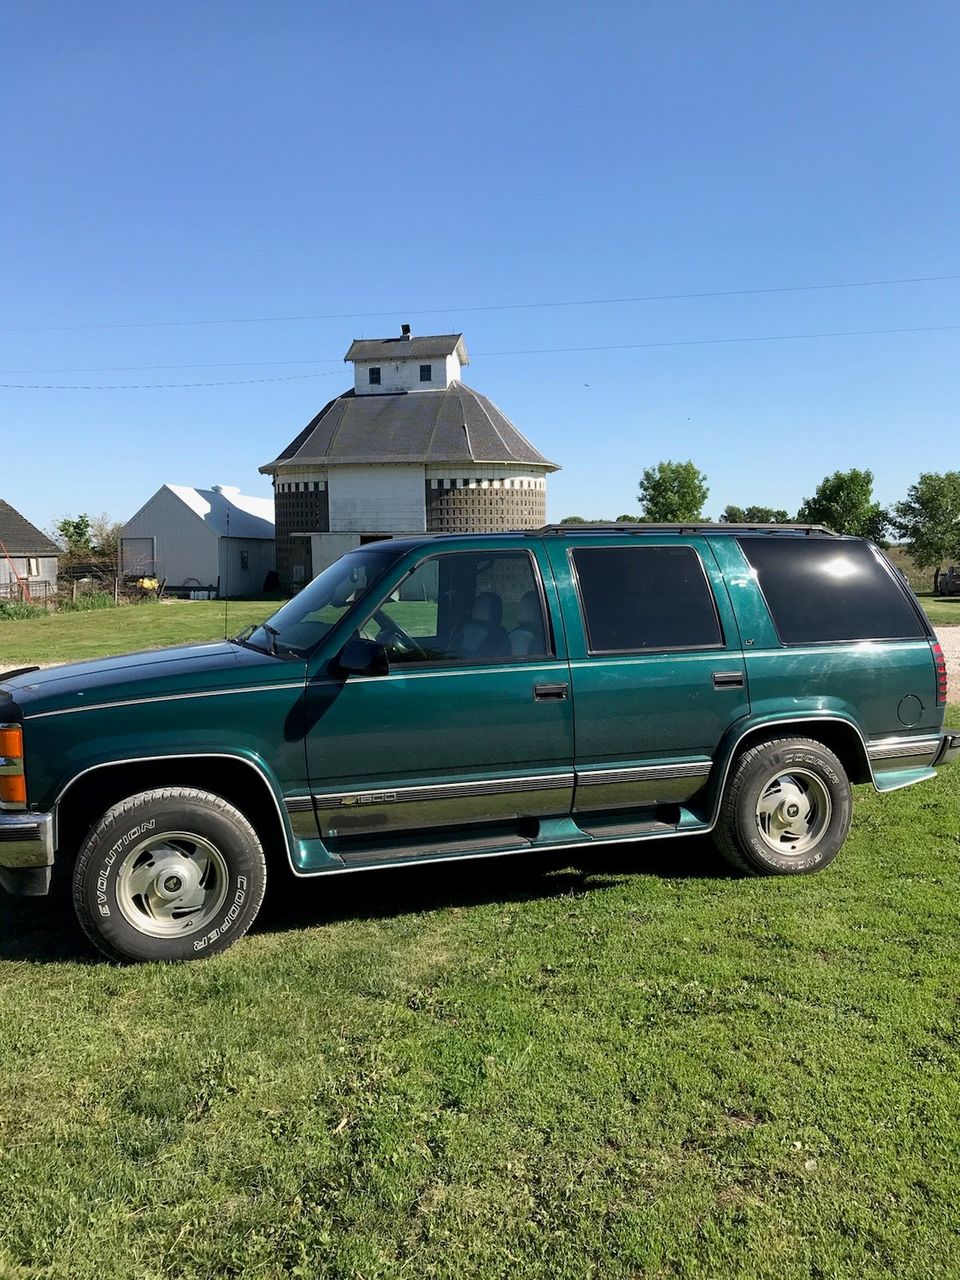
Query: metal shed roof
x,y
228,512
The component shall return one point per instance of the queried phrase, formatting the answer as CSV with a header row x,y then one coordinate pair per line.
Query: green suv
x,y
472,696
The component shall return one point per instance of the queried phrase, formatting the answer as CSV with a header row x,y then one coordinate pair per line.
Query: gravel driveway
x,y
949,638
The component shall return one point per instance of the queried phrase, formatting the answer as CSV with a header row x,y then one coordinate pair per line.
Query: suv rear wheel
x,y
786,808
172,874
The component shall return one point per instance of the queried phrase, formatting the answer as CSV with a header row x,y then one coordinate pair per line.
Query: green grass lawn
x,y
69,637
504,1069
942,609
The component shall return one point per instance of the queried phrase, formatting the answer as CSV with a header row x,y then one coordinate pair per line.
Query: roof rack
x,y
625,526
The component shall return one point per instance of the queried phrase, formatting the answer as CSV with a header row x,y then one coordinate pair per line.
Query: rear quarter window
x,y
820,590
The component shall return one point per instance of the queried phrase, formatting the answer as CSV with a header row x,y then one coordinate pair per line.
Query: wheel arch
x,y
243,783
841,736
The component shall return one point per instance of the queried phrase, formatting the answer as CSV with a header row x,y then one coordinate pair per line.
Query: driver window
x,y
463,606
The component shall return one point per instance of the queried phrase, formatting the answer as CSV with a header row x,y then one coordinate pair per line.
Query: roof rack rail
x,y
699,526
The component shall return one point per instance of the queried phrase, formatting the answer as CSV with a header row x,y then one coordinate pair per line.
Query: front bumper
x,y
26,851
949,749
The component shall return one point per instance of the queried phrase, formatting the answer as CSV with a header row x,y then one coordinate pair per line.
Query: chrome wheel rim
x,y
172,885
793,812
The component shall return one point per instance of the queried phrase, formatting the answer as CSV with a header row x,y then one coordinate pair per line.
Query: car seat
x,y
482,635
527,636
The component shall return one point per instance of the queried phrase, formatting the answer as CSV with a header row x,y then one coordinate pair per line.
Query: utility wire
x,y
526,351
506,306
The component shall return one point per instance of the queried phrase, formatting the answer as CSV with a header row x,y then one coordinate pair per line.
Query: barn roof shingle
x,y
437,344
20,537
453,425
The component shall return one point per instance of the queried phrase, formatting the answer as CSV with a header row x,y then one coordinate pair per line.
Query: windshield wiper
x,y
272,632
244,637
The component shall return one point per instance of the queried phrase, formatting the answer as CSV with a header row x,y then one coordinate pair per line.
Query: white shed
x,y
216,539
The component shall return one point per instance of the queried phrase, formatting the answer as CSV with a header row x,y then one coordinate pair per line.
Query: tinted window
x,y
464,606
819,589
645,598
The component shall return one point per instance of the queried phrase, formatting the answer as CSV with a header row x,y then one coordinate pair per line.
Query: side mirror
x,y
363,658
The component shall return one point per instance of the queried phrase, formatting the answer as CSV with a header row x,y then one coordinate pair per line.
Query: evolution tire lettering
x,y
127,838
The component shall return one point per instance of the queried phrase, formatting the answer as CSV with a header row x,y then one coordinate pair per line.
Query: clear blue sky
x,y
169,162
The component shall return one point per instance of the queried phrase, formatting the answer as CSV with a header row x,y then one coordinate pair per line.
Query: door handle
x,y
728,679
550,692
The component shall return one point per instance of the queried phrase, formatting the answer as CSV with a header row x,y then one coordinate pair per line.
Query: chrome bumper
x,y
26,840
949,749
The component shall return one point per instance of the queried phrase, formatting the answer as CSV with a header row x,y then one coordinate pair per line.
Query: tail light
x,y
940,665
13,786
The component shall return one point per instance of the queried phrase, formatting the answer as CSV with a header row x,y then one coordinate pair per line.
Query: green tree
x,y
672,491
929,521
628,520
75,534
753,515
105,535
844,503
574,520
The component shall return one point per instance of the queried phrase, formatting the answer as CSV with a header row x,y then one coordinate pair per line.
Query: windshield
x,y
303,622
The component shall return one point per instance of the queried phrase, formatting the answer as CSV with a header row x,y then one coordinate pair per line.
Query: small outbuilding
x,y
218,540
28,558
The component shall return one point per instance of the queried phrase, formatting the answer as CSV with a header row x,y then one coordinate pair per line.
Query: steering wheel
x,y
397,638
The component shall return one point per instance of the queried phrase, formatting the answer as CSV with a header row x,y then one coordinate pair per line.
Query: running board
x,y
331,857
407,851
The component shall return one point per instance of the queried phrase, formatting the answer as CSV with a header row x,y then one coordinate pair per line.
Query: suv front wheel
x,y
786,808
171,874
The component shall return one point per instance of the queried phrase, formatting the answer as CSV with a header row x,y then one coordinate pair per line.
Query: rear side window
x,y
637,598
819,590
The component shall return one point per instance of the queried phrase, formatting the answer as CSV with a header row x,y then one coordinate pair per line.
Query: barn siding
x,y
261,557
185,546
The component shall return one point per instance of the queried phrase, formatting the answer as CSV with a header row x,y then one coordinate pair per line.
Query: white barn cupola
x,y
385,365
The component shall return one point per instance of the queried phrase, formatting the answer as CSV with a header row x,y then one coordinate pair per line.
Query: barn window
x,y
33,567
374,376
245,560
426,373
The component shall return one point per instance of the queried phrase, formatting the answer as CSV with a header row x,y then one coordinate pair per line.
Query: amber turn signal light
x,y
13,789
11,742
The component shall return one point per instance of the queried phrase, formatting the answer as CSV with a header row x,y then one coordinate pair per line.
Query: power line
x,y
505,306
518,351
147,386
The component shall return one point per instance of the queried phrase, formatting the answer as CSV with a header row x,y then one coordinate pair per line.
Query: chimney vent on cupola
x,y
405,332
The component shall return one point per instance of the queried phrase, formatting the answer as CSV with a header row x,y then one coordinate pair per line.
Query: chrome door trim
x,y
639,786
384,809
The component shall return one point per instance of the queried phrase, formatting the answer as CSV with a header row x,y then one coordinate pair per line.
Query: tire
x,y
786,808
170,875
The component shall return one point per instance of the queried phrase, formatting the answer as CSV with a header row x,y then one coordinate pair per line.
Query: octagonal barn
x,y
408,449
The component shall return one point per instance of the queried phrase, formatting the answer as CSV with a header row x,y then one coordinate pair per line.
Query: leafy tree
x,y
844,503
574,520
929,520
753,515
673,491
75,534
105,535
629,520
